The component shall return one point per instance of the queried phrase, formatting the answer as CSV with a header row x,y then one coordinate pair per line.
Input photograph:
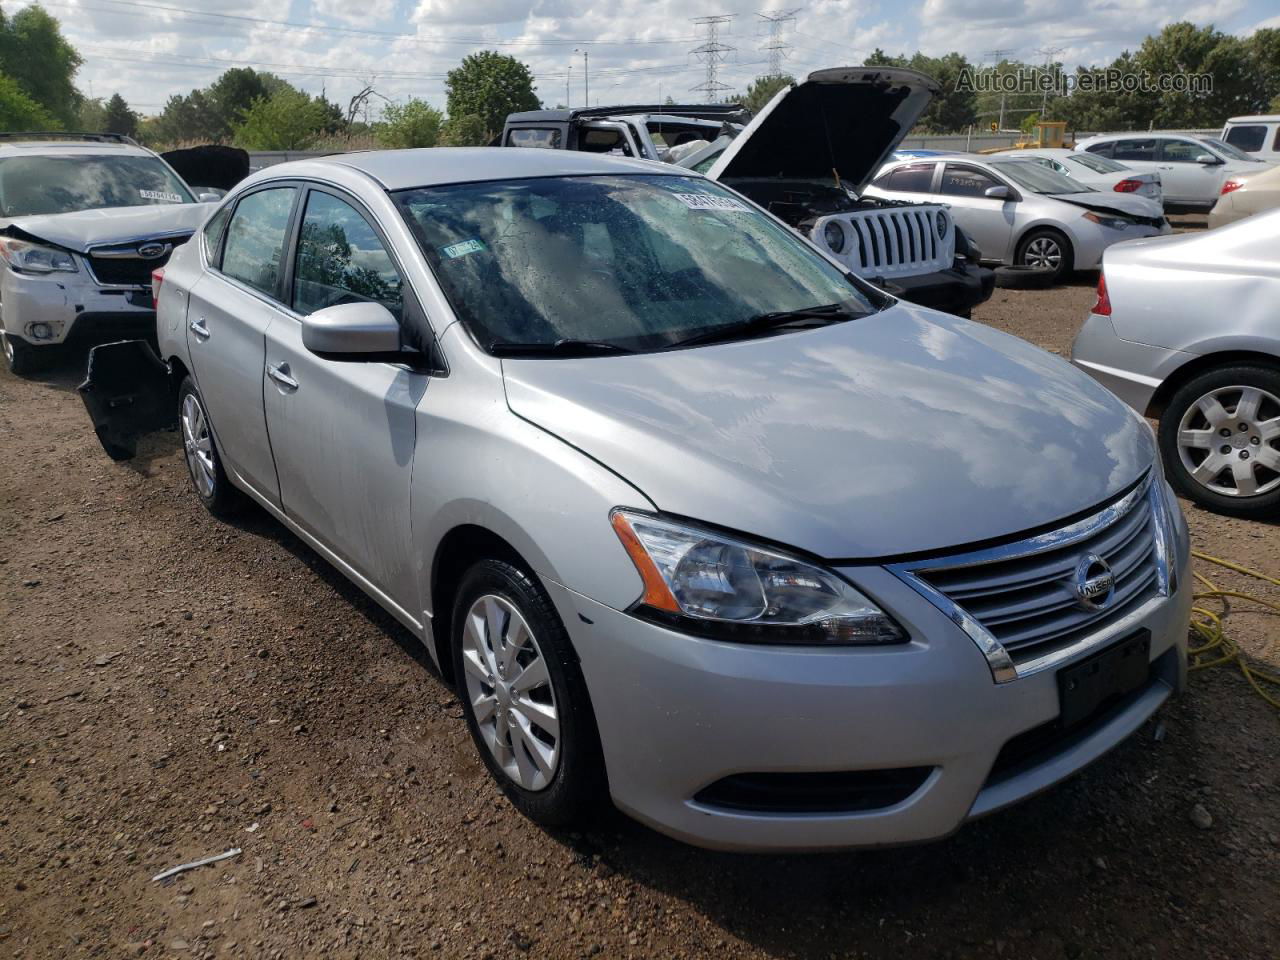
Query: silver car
x,y
1093,170
692,518
1184,329
1022,214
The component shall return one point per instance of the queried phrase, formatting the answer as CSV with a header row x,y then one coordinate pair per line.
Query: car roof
x,y
1257,118
69,148
432,166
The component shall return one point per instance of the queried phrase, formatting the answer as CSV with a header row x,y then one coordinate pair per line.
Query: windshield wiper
x,y
564,347
763,322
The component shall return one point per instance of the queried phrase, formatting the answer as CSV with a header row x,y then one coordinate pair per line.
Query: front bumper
x,y
49,310
956,290
677,714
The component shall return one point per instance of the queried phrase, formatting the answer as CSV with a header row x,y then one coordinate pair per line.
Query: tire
x,y
1243,454
1025,278
496,596
204,465
1047,249
21,357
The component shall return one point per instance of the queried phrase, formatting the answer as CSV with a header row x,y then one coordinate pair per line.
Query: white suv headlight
x,y
27,257
714,585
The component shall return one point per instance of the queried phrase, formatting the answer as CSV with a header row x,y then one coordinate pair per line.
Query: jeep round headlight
x,y
833,234
711,584
941,222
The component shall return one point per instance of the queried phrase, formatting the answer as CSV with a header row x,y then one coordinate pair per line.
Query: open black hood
x,y
844,121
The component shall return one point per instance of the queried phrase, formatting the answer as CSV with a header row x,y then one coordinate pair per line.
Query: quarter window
x,y
341,259
958,181
255,238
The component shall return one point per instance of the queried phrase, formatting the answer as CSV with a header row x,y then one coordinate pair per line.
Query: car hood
x,y
902,432
1109,201
845,121
83,229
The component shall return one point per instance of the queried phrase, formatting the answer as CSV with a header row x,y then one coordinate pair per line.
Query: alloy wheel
x,y
1229,441
1043,252
8,347
198,445
509,691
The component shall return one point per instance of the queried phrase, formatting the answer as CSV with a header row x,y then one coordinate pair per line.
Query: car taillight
x,y
1231,185
1102,305
1127,186
157,278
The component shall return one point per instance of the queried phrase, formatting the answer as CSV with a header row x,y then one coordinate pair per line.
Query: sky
x,y
636,50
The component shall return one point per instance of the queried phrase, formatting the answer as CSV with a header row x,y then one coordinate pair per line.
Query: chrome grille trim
x,y
1136,530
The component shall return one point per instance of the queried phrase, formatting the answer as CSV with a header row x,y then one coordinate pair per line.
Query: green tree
x,y
488,86
287,120
119,118
954,107
464,131
763,89
92,115
1186,48
35,54
1264,47
414,123
17,110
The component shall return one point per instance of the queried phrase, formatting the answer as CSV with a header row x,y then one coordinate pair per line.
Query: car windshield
x,y
1096,163
625,262
44,184
1227,150
1038,179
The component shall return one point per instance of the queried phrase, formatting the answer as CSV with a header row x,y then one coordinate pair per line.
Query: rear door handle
x,y
280,374
199,329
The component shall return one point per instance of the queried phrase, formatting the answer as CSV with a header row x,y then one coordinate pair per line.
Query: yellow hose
x,y
1218,648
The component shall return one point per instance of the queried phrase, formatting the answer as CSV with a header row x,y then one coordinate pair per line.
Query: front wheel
x,y
21,357
1047,250
524,695
1220,440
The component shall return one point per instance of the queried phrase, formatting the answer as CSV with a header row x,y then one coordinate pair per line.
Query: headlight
x,y
1115,223
941,222
718,586
28,257
833,233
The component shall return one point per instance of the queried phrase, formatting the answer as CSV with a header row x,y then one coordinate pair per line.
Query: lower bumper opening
x,y
820,792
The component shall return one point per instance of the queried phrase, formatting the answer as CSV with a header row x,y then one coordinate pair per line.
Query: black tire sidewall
x,y
26,358
225,499
1065,264
1266,378
576,788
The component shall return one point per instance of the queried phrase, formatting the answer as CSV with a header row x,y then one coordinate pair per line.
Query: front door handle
x,y
199,329
279,372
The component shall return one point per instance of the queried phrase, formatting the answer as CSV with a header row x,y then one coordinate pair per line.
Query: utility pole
x,y
712,53
997,57
586,79
568,76
777,21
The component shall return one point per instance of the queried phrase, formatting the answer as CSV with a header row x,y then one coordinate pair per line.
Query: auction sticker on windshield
x,y
704,201
462,249
159,195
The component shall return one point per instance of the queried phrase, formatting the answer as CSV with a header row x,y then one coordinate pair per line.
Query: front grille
x,y
1027,601
124,267
900,241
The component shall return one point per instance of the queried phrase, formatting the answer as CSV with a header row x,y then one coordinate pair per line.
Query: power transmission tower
x,y
776,21
712,53
1048,53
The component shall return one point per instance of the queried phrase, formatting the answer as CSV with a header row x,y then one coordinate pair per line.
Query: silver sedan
x,y
1094,171
1022,214
1184,329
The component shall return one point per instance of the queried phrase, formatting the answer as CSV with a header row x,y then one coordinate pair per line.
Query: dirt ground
x,y
173,686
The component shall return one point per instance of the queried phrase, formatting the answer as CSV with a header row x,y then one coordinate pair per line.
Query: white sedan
x,y
1100,173
1021,214
1192,169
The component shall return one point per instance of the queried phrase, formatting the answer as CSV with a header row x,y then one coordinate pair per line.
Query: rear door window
x,y
1143,149
255,240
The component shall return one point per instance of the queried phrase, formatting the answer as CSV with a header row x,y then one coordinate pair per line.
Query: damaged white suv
x,y
84,219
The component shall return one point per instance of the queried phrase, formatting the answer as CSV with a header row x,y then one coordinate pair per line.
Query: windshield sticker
x,y
159,195
455,250
705,201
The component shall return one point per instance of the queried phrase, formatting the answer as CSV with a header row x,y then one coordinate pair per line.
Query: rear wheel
x,y
208,478
524,695
1046,249
1220,440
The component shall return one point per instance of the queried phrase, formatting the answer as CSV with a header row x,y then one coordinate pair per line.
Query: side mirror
x,y
352,331
1208,159
210,196
997,193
